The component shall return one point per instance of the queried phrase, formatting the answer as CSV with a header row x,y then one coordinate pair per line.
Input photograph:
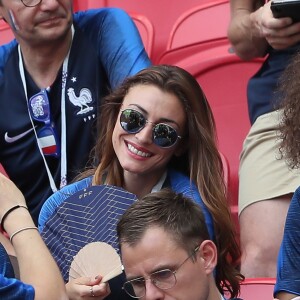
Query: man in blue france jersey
x,y
288,264
52,79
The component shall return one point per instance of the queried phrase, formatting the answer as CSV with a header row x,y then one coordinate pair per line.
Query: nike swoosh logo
x,y
15,138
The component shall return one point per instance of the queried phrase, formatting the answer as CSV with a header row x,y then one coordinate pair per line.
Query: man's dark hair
x,y
177,215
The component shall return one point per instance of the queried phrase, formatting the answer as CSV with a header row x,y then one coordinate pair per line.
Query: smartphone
x,y
286,8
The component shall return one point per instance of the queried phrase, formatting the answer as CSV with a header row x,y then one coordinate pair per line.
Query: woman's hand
x,y
87,288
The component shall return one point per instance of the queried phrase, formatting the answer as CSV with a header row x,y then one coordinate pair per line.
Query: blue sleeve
x,y
13,289
4,53
182,184
117,40
58,197
288,264
6,268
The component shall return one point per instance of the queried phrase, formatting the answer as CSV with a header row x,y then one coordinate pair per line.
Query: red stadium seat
x,y
6,34
161,13
223,77
198,43
146,30
226,170
205,22
257,289
143,24
86,4
2,170
233,208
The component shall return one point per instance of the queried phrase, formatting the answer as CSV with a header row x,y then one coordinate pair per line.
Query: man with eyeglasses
x,y
52,79
166,250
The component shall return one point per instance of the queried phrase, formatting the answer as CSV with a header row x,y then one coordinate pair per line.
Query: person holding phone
x,y
266,184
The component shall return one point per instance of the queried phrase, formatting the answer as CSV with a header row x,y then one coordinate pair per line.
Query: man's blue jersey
x,y
106,48
288,264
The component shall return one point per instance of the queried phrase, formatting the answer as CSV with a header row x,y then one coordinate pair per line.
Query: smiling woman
x,y
157,130
140,151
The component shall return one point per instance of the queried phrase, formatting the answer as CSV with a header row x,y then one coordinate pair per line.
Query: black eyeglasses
x,y
31,3
163,135
163,279
39,108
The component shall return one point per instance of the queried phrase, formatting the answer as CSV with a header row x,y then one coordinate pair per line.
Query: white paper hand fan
x,y
97,258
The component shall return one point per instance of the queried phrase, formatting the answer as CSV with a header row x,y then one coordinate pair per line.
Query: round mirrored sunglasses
x,y
163,135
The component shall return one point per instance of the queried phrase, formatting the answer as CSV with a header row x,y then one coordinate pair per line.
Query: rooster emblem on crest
x,y
85,97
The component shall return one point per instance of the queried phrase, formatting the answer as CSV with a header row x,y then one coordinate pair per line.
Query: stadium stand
x,y
223,77
146,30
6,34
257,289
226,170
2,170
204,22
207,54
143,24
160,13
